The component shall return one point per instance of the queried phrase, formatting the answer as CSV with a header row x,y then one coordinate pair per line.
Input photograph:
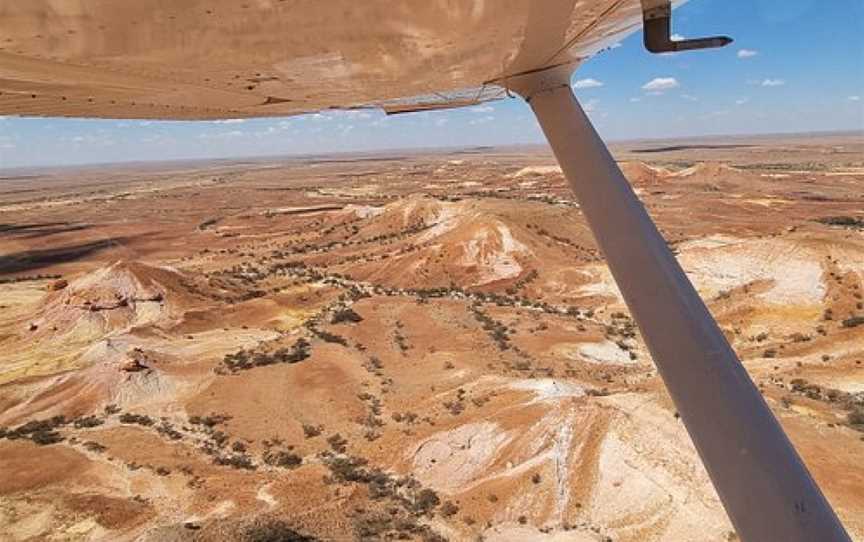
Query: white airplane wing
x,y
212,59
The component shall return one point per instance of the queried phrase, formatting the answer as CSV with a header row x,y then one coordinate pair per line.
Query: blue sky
x,y
795,65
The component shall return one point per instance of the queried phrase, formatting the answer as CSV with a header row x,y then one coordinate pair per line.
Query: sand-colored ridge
x,y
421,345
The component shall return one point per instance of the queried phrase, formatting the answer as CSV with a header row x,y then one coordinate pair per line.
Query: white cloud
x,y
587,83
689,98
715,114
615,45
441,121
634,100
661,84
773,82
233,134
590,106
229,121
482,120
747,53
319,117
154,139
482,109
677,37
98,139
741,101
6,142
353,113
854,98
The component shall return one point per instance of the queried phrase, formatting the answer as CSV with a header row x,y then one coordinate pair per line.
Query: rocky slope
x,y
376,364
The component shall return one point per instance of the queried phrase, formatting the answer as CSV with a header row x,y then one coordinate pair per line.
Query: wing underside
x,y
213,59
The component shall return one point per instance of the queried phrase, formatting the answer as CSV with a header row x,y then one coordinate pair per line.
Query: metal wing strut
x,y
762,482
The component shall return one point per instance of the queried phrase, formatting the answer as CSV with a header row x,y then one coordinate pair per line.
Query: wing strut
x,y
763,484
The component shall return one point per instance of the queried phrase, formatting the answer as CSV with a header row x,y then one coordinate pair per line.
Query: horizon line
x,y
414,150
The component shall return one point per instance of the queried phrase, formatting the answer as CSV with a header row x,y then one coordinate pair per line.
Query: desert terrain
x,y
408,345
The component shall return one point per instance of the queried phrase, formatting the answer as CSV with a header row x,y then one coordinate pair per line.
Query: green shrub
x,y
449,509
137,419
346,315
274,531
237,461
311,431
44,438
88,421
856,418
286,460
854,321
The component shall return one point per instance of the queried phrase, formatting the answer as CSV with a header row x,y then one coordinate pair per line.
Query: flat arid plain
x,y
409,345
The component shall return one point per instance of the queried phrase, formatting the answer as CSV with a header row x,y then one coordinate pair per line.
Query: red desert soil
x,y
424,346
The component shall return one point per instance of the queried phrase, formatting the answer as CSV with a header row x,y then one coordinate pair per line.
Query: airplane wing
x,y
216,59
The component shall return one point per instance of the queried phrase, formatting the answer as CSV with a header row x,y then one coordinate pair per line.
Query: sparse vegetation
x,y
436,336
408,500
497,331
211,420
328,337
44,438
274,530
136,419
455,407
94,447
42,432
852,402
236,461
854,321
400,339
244,360
312,431
855,418
449,509
167,430
283,459
843,222
337,443
345,315
207,223
407,418
28,278
87,422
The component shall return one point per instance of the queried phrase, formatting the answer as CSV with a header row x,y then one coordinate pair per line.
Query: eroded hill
x,y
424,346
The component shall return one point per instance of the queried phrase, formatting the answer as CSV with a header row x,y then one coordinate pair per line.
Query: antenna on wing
x,y
657,31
